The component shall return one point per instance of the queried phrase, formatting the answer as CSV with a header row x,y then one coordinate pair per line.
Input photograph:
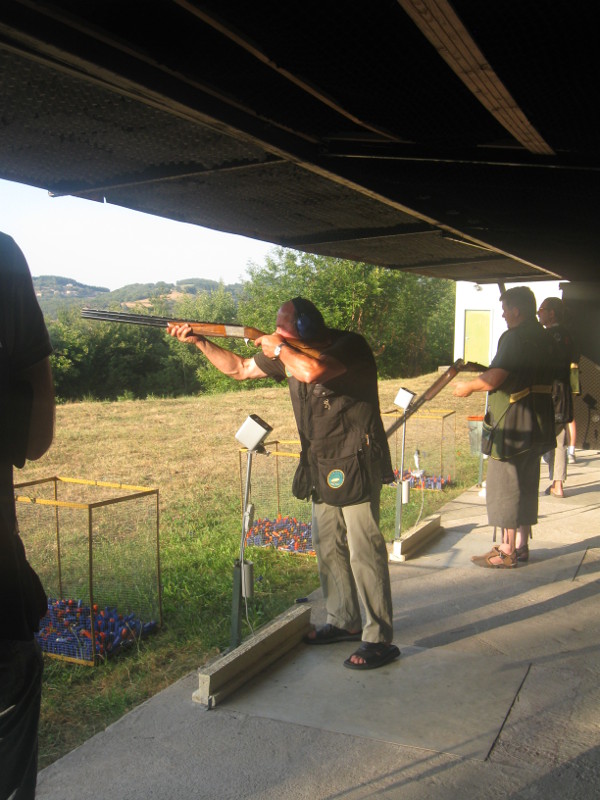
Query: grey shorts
x,y
512,489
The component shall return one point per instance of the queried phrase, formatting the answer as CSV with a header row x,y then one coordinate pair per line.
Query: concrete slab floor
x,y
310,687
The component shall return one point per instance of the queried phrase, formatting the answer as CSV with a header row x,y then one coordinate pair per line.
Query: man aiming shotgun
x,y
344,459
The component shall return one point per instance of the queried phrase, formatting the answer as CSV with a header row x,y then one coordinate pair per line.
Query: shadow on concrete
x,y
530,611
576,779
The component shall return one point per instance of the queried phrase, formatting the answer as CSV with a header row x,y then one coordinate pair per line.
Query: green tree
x,y
70,357
106,360
407,319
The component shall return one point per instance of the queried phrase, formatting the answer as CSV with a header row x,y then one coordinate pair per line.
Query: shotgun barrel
x,y
122,316
218,329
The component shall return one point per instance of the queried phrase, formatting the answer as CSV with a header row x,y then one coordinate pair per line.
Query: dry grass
x,y
185,447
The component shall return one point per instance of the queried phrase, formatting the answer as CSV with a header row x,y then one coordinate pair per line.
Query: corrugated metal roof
x,y
456,141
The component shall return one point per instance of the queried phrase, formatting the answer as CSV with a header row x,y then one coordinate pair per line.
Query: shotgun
x,y
435,388
215,329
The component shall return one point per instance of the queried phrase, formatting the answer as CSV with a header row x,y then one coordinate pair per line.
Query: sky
x,y
99,244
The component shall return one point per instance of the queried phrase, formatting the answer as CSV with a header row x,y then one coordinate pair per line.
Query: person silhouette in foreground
x,y
332,378
26,432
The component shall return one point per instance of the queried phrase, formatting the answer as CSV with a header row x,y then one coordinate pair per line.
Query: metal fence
x,y
95,546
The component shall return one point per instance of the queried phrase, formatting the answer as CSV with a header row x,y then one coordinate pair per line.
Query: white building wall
x,y
486,297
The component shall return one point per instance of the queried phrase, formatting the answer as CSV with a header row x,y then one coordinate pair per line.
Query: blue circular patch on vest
x,y
335,478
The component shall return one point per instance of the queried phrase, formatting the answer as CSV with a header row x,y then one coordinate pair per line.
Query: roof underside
x,y
454,141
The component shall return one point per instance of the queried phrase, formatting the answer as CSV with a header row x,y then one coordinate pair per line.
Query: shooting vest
x,y
520,416
344,446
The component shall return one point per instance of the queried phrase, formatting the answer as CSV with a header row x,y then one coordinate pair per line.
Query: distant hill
x,y
54,292
53,285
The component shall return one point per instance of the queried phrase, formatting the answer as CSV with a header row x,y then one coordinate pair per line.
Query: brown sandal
x,y
507,560
523,553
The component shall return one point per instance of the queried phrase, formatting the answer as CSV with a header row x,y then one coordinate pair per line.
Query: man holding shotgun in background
x,y
344,460
518,427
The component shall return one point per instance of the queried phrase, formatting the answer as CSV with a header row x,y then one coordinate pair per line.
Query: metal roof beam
x,y
354,235
157,176
250,47
439,23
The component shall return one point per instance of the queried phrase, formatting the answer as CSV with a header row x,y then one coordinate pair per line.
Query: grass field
x,y
187,449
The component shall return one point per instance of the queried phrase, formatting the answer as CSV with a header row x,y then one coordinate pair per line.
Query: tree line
x,y
408,320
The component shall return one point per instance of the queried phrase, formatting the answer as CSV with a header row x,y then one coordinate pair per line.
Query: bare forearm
x,y
306,366
230,364
309,369
486,382
224,360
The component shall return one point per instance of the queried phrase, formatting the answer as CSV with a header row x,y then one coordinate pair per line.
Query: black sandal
x,y
373,654
328,634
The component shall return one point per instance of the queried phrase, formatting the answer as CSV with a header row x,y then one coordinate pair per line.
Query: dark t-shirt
x,y
528,354
566,349
24,342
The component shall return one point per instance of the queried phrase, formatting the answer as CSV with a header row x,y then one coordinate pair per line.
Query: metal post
x,y
480,479
277,487
236,604
158,572
398,533
58,553
236,607
91,583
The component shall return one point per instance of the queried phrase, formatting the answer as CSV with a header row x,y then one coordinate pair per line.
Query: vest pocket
x,y
343,481
302,486
487,436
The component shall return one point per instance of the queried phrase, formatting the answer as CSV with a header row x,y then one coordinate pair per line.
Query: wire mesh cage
x,y
95,546
280,519
429,446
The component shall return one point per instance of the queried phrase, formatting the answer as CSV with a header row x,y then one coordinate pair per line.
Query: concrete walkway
x,y
496,694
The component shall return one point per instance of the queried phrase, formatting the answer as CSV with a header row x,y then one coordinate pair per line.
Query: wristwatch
x,y
277,350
